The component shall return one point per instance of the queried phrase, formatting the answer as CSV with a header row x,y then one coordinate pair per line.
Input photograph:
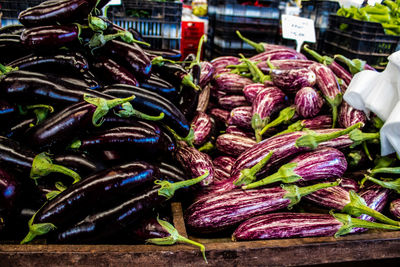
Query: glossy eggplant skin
x,y
52,12
10,190
250,91
188,100
12,49
173,73
222,62
79,162
109,221
233,145
160,86
282,53
395,208
152,104
285,64
49,37
290,81
319,122
171,172
107,187
147,228
230,102
349,115
235,130
287,225
308,102
12,29
202,125
18,130
231,83
7,109
206,74
269,101
221,115
171,54
241,117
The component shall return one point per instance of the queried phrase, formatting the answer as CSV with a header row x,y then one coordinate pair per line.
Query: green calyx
x,y
258,46
42,165
394,185
358,137
6,69
285,174
334,103
312,139
103,106
207,147
168,189
295,193
294,127
188,81
188,139
358,206
37,229
41,111
75,144
321,59
60,187
159,61
258,124
285,115
174,237
355,65
256,73
247,176
99,39
96,24
127,37
350,223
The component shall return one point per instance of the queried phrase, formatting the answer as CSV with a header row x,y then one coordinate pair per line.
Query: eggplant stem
x,y
247,176
285,115
366,150
294,127
355,65
128,38
390,170
258,46
37,229
394,185
188,139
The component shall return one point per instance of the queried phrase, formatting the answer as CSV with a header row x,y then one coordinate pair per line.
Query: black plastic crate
x,y
217,51
253,26
352,26
249,11
12,8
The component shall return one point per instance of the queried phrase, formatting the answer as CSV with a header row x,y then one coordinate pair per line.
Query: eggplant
x,y
202,126
174,73
109,221
308,102
79,162
111,72
219,212
206,74
53,12
153,104
222,62
267,103
349,115
27,163
129,55
188,100
204,99
97,191
250,91
11,50
319,164
290,225
280,53
241,117
327,83
231,83
171,54
10,191
220,115
195,163
285,64
235,130
12,29
224,162
395,208
18,130
171,172
216,93
49,37
7,109
230,102
319,122
160,86
233,145
290,81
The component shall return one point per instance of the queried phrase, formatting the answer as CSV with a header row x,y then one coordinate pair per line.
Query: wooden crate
x,y
374,245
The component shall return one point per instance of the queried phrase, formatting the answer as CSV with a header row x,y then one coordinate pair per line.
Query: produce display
x,y
99,131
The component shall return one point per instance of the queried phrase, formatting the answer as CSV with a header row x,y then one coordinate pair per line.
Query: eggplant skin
x,y
349,116
287,225
293,80
308,102
241,117
233,145
395,208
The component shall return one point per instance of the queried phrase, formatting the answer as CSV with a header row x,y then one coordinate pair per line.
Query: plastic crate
x,y
352,26
248,11
12,8
251,26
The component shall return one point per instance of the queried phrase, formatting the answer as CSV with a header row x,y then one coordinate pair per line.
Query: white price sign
x,y
299,29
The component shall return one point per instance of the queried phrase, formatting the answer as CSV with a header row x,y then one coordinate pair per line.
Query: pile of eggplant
x,y
99,131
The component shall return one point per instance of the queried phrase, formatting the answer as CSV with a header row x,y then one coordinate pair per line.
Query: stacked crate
x,y
259,23
158,22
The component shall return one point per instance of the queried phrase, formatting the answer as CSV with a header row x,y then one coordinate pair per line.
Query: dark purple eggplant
x,y
174,73
18,130
27,163
202,126
349,115
69,61
235,130
111,72
233,145
231,82
11,50
49,37
290,225
171,54
308,102
81,81
53,12
206,74
160,86
290,81
108,221
250,91
327,83
219,212
268,102
64,125
79,162
7,109
153,104
188,100
241,117
12,29
222,62
195,163
395,208
10,191
129,55
171,172
319,164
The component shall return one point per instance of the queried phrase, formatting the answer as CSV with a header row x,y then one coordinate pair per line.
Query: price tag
x,y
299,29
114,3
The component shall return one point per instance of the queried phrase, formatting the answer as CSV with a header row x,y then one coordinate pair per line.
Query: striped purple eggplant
x,y
290,224
231,82
224,162
308,102
218,212
230,102
250,91
216,93
395,208
327,83
349,115
285,64
220,174
283,53
235,130
221,115
319,122
195,162
206,74
290,81
241,117
319,164
202,125
267,102
222,62
220,71
345,183
204,99
233,145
